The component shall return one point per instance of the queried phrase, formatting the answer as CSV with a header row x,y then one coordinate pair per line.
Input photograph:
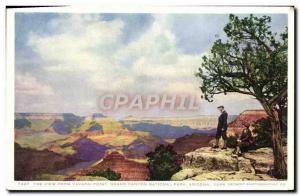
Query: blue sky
x,y
65,61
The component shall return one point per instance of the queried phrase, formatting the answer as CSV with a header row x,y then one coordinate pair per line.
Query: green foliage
x,y
162,163
262,133
232,141
108,174
252,60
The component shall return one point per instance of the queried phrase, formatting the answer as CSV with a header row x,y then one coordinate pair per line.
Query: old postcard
x,y
150,98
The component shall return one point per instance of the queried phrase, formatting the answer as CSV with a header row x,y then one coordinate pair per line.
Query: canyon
x,y
68,147
250,116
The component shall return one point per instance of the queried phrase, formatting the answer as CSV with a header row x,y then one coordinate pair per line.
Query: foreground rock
x,y
262,160
215,164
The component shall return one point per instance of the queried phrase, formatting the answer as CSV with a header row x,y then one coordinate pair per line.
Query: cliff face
x,y
129,169
190,143
29,162
39,116
87,150
250,116
215,164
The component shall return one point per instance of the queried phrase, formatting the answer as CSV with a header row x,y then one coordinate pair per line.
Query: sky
x,y
65,62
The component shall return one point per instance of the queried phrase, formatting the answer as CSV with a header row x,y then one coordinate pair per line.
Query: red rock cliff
x,y
250,116
190,143
130,170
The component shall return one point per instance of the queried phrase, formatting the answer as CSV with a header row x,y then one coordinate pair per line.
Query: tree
x,y
252,61
162,163
108,174
263,133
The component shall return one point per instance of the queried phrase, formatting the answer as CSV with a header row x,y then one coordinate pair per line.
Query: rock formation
x,y
201,122
250,116
129,169
29,162
215,164
86,149
190,143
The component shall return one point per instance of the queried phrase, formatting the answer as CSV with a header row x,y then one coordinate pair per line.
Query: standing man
x,y
222,128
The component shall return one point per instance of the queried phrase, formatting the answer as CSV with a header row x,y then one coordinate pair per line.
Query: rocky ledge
x,y
215,164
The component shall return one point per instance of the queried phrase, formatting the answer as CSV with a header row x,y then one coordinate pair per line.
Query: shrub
x,y
262,133
108,174
162,163
232,141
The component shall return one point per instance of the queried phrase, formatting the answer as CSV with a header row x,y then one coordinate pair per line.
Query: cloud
x,y
153,61
78,44
89,45
26,84
94,48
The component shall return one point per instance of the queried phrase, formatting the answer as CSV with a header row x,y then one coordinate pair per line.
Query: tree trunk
x,y
280,166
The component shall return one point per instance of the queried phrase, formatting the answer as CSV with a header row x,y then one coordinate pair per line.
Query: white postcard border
x,y
145,185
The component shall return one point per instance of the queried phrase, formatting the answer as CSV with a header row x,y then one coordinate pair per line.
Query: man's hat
x,y
221,107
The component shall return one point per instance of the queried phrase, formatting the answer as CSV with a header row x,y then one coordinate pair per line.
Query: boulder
x,y
211,159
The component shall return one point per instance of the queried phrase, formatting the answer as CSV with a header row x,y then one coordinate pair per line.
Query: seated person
x,y
245,141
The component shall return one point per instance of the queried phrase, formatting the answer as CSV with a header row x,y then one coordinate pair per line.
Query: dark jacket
x,y
222,122
246,136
